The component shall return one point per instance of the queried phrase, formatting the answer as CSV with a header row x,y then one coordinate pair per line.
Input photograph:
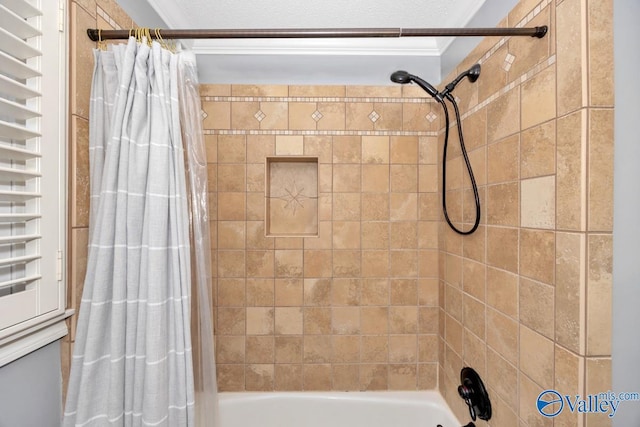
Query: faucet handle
x,y
466,393
475,395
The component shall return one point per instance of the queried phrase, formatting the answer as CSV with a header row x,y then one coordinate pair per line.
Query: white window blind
x,y
32,106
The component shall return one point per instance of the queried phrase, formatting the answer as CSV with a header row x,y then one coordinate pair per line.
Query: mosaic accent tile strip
x,y
319,132
523,22
259,115
523,78
508,61
107,18
425,100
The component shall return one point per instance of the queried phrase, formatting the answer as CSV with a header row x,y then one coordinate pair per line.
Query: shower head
x,y
472,73
403,78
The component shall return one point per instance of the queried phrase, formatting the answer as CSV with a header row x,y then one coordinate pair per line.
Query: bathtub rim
x,y
428,398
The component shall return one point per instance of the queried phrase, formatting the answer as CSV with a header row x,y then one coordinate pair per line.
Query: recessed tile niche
x,y
291,196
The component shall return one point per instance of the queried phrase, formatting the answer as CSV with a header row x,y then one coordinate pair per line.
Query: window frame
x,y
48,324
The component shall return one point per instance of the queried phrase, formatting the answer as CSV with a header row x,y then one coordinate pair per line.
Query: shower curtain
x,y
133,361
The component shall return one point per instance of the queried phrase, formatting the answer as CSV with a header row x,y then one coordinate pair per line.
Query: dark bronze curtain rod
x,y
538,32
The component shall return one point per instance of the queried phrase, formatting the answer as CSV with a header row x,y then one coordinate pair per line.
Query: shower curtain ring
x,y
101,43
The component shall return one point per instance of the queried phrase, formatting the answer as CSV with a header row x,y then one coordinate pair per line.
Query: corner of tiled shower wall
x,y
526,300
355,308
83,14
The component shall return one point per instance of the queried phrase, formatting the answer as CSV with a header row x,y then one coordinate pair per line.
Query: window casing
x,y
32,173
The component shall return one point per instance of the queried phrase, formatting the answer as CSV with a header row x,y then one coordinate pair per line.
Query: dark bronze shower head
x,y
404,77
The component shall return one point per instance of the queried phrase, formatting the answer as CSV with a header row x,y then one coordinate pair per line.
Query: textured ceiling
x,y
322,61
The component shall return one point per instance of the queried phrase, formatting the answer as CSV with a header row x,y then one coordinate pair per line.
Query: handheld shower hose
x,y
472,73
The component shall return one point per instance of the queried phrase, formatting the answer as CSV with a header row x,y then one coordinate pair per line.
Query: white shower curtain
x,y
132,362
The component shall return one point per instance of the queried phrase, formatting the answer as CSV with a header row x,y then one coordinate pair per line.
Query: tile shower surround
x,y
525,300
356,307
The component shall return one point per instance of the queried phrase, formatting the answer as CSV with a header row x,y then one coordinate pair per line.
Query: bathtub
x,y
335,409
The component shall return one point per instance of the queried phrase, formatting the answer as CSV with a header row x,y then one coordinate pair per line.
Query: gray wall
x,y
31,389
626,219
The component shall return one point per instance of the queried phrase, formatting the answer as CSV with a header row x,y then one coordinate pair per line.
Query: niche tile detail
x,y
291,196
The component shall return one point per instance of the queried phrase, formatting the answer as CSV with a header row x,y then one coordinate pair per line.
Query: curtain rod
x,y
538,32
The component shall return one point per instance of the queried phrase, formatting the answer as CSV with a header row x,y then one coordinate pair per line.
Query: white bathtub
x,y
335,409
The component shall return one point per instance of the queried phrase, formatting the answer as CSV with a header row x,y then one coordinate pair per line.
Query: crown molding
x,y
418,46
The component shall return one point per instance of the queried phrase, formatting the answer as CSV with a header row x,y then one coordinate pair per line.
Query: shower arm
x,y
539,32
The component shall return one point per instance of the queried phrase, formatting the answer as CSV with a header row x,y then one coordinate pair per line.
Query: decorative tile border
x,y
508,62
524,21
523,78
104,15
319,132
374,116
518,81
348,100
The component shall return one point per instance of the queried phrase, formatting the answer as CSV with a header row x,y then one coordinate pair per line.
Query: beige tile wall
x,y
103,14
355,308
526,301
387,297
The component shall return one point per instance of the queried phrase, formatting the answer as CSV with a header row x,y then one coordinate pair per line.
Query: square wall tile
x,y
500,242
537,255
375,149
599,294
538,202
347,149
346,377
537,357
600,169
528,393
571,175
570,301
404,150
538,150
504,377
571,57
601,87
289,145
503,116
333,116
375,178
502,291
502,160
231,148
538,97
317,377
502,335
536,306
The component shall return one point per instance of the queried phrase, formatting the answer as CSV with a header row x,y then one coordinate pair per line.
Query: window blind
x,y
30,159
